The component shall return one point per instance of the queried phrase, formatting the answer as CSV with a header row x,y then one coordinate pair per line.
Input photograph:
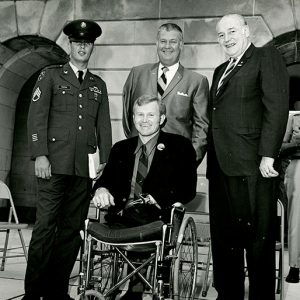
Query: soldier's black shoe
x,y
293,276
132,296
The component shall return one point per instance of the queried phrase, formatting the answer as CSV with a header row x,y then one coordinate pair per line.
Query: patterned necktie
x,y
80,76
230,67
141,172
162,82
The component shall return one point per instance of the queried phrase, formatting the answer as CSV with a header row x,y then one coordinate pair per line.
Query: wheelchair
x,y
163,256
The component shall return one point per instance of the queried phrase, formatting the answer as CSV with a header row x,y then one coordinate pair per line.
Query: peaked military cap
x,y
82,30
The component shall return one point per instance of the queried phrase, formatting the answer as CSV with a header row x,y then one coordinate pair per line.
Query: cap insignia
x,y
83,25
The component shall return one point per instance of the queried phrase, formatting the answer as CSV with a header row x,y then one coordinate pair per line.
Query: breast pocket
x,y
63,99
181,107
94,100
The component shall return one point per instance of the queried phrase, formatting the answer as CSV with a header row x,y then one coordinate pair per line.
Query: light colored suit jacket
x,y
186,99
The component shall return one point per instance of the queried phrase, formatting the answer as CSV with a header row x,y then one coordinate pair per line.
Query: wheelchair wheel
x,y
186,263
91,295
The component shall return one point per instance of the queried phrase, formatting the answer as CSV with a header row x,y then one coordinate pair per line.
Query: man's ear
x,y
162,119
246,30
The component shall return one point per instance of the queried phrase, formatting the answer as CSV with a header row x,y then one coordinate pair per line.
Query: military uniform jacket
x,y
67,120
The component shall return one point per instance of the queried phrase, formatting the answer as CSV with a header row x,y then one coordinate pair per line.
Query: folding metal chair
x,y
12,223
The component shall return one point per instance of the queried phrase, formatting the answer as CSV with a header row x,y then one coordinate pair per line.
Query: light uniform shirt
x,y
75,70
150,149
169,74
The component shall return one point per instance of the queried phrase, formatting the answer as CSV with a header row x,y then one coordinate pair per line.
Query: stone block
x,y
115,107
202,56
204,8
7,117
297,13
8,25
11,80
277,14
5,159
56,15
106,57
116,9
114,80
7,135
117,131
8,97
206,72
260,33
29,14
5,54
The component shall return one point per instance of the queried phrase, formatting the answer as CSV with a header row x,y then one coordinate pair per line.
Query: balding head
x,y
233,34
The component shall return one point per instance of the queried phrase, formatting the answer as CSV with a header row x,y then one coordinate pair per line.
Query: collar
x,y
150,145
75,69
172,69
241,55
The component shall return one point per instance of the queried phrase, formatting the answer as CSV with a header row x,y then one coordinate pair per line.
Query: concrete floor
x,y
12,278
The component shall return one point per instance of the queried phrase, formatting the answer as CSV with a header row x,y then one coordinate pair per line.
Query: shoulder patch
x,y
36,94
42,75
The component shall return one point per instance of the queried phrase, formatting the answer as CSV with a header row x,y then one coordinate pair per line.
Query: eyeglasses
x,y
85,44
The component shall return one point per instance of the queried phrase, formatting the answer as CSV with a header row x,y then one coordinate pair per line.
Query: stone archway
x,y
288,44
21,59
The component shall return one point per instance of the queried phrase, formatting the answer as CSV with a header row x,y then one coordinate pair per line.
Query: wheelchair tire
x,y
91,295
185,266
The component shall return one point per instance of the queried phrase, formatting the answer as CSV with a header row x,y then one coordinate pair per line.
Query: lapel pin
x,y
161,147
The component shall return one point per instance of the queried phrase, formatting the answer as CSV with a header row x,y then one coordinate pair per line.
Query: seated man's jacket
x,y
172,176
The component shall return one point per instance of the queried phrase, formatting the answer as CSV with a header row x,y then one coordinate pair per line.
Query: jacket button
x,y
80,127
80,105
214,108
80,95
80,116
63,92
53,139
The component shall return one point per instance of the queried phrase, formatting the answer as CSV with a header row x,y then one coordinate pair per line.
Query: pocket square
x,y
182,94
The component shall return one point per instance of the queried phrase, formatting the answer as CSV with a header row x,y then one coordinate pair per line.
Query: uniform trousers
x,y
62,207
292,179
242,219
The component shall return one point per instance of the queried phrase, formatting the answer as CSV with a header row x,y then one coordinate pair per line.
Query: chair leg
x,y
5,250
23,244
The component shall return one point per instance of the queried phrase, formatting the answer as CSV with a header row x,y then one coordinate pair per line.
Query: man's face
x,y
233,35
147,119
169,47
80,52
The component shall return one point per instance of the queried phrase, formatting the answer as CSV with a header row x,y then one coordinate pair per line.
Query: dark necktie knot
x,y
80,76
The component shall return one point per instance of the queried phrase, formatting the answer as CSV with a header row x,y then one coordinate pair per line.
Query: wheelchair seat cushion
x,y
109,234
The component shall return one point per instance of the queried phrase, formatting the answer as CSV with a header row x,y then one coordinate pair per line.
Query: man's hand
x,y
103,198
266,167
42,167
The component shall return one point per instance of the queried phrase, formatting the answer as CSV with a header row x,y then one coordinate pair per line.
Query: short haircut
x,y
145,99
170,27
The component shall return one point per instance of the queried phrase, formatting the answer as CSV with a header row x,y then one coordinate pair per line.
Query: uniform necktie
x,y
141,172
230,67
162,82
80,76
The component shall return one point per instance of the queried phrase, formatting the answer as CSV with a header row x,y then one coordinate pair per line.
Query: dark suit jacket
x,y
248,116
171,178
66,120
185,98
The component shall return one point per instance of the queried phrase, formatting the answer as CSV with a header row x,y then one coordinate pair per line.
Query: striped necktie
x,y
80,76
229,68
141,172
162,82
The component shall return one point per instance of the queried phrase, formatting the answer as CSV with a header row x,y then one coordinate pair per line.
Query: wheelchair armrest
x,y
177,215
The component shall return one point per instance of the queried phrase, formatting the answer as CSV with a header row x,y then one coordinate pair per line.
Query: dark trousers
x,y
242,219
62,207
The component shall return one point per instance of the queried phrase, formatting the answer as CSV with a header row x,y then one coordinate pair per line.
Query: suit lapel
x,y
236,69
177,77
153,78
69,75
159,155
